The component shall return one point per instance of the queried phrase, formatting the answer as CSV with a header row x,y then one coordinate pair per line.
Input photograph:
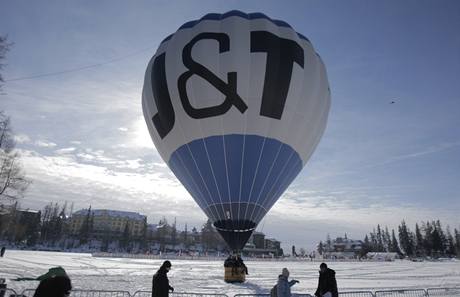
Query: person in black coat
x,y
327,284
160,282
58,286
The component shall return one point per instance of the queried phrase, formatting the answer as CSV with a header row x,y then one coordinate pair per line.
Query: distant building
x,y
382,256
258,239
260,246
107,222
21,224
342,248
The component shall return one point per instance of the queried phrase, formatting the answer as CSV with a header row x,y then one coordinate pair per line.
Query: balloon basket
x,y
235,275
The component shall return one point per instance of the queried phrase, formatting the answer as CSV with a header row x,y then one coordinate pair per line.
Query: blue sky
x,y
84,140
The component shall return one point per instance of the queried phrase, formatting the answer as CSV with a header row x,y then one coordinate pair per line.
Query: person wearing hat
x,y
327,284
283,287
160,282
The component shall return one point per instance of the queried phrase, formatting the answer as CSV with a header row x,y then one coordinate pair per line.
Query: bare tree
x,y
4,47
13,182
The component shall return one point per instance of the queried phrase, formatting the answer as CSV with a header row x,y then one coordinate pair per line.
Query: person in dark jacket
x,y
160,282
57,286
327,284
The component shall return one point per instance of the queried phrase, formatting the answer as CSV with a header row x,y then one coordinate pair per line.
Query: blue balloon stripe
x,y
267,163
291,170
234,156
188,159
183,174
278,166
216,153
252,153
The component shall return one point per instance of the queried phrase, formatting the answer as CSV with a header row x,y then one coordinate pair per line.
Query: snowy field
x,y
131,275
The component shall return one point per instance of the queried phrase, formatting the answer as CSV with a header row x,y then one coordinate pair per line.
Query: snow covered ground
x,y
131,275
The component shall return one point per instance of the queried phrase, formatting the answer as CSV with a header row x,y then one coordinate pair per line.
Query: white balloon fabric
x,y
236,104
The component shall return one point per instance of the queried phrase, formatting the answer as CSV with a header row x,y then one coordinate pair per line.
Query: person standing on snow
x,y
327,284
160,282
56,286
283,287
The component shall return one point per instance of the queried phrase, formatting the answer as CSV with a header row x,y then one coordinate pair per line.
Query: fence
x,y
356,294
402,293
149,294
7,292
86,293
443,292
431,292
268,295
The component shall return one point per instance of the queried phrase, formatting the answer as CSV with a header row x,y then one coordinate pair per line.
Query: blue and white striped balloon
x,y
236,104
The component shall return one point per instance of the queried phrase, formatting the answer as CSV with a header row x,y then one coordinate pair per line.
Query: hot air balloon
x,y
236,104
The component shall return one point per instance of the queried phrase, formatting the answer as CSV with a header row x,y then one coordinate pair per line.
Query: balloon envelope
x,y
236,104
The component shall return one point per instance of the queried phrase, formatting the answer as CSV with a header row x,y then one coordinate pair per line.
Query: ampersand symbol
x,y
229,88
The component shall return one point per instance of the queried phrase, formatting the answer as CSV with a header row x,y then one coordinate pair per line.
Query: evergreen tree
x,y
442,238
394,248
451,250
406,240
387,240
373,243
379,240
457,242
436,240
419,245
428,240
366,247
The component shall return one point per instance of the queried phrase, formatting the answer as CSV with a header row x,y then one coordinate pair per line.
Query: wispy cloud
x,y
44,143
66,150
107,183
22,138
438,148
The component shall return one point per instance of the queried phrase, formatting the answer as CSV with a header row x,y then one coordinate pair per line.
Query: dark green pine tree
x,y
419,242
457,242
451,250
366,247
436,240
394,247
442,238
86,227
406,240
428,239
380,247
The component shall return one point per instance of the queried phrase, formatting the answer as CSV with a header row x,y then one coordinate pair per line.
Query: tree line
x,y
429,239
51,228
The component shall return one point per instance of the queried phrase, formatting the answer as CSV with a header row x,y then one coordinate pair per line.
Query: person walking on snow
x,y
160,282
327,284
284,286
